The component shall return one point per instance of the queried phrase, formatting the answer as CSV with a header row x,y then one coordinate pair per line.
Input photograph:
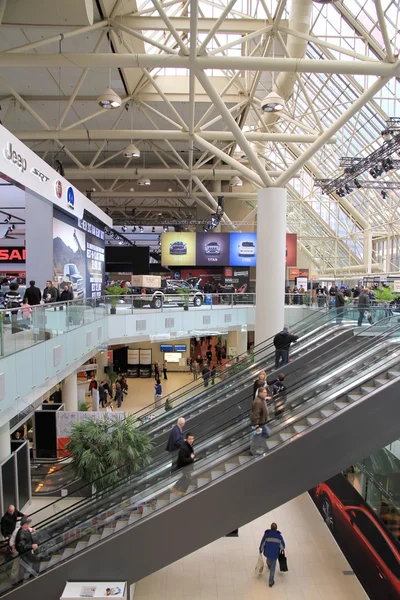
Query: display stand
x,y
101,590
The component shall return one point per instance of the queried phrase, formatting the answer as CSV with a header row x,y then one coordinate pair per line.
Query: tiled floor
x,y
225,568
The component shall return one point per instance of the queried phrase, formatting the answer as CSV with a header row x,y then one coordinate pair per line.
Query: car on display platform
x,y
178,248
172,292
247,249
369,547
212,248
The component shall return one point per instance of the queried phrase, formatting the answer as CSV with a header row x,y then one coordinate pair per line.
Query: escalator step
x,y
380,381
271,444
313,420
67,553
327,412
95,537
54,560
354,397
299,428
243,459
340,405
82,545
43,565
120,525
231,466
203,481
393,374
106,532
366,389
286,436
217,474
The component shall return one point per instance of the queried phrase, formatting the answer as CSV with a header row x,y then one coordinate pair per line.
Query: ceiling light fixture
x,y
109,99
272,103
236,181
144,181
131,151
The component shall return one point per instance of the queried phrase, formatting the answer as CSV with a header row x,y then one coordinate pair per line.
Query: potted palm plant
x,y
114,291
105,451
185,293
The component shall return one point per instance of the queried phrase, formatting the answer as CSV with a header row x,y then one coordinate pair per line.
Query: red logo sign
x,y
12,255
59,189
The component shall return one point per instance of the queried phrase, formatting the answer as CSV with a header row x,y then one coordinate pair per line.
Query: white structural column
x,y
70,392
102,361
238,341
5,442
271,262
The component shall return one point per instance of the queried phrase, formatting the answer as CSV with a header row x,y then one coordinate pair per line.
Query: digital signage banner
x,y
69,256
291,249
78,255
243,249
212,249
178,249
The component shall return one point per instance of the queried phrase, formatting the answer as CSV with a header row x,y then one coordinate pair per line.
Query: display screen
x,y
173,357
69,256
180,348
127,259
212,249
78,255
243,250
166,348
178,249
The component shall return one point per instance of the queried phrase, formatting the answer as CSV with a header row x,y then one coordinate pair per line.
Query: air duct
x,y
299,20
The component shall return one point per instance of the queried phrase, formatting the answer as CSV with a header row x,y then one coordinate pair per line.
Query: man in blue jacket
x,y
271,544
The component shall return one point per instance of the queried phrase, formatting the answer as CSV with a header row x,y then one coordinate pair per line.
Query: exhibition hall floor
x,y
225,568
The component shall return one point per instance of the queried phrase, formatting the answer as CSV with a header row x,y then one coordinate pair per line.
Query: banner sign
x,y
11,254
145,357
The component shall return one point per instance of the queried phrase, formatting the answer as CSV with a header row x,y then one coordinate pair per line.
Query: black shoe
x,y
271,584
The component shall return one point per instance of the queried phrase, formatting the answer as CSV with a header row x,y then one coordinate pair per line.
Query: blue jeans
x,y
266,432
272,566
281,358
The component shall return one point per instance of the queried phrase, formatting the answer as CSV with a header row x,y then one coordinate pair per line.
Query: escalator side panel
x,y
230,502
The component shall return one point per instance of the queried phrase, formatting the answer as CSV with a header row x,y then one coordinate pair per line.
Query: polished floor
x,y
225,568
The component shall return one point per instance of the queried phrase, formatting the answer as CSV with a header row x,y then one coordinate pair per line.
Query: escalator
x,y
54,477
334,416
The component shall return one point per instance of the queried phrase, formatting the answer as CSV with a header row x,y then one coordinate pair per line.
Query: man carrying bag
x,y
271,545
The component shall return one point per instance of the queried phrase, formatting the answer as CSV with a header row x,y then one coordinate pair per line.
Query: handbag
x,y
282,562
260,565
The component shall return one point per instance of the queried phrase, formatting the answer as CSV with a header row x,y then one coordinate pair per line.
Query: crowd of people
x,y
18,541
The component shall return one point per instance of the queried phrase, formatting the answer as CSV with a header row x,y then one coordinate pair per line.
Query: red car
x,y
368,546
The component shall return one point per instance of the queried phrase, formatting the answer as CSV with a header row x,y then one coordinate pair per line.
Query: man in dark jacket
x,y
50,293
175,439
282,342
364,304
186,454
339,303
271,544
278,390
9,521
33,294
24,545
66,294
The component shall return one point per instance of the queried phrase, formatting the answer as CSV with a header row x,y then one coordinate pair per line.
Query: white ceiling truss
x,y
191,75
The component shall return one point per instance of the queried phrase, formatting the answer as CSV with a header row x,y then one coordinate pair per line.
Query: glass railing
x,y
144,494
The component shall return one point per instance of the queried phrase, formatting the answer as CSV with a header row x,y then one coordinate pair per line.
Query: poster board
x,y
145,356
133,356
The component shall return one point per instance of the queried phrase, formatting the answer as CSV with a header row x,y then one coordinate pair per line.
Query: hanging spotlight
x,y
140,229
341,193
373,173
272,103
348,188
109,99
144,181
236,181
165,228
153,229
133,229
120,242
7,219
384,194
131,151
357,183
386,135
387,164
205,229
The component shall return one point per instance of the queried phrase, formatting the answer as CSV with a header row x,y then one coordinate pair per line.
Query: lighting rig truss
x,y
118,237
377,163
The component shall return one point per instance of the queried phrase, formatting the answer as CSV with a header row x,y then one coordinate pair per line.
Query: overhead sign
x,y
293,273
70,197
11,254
